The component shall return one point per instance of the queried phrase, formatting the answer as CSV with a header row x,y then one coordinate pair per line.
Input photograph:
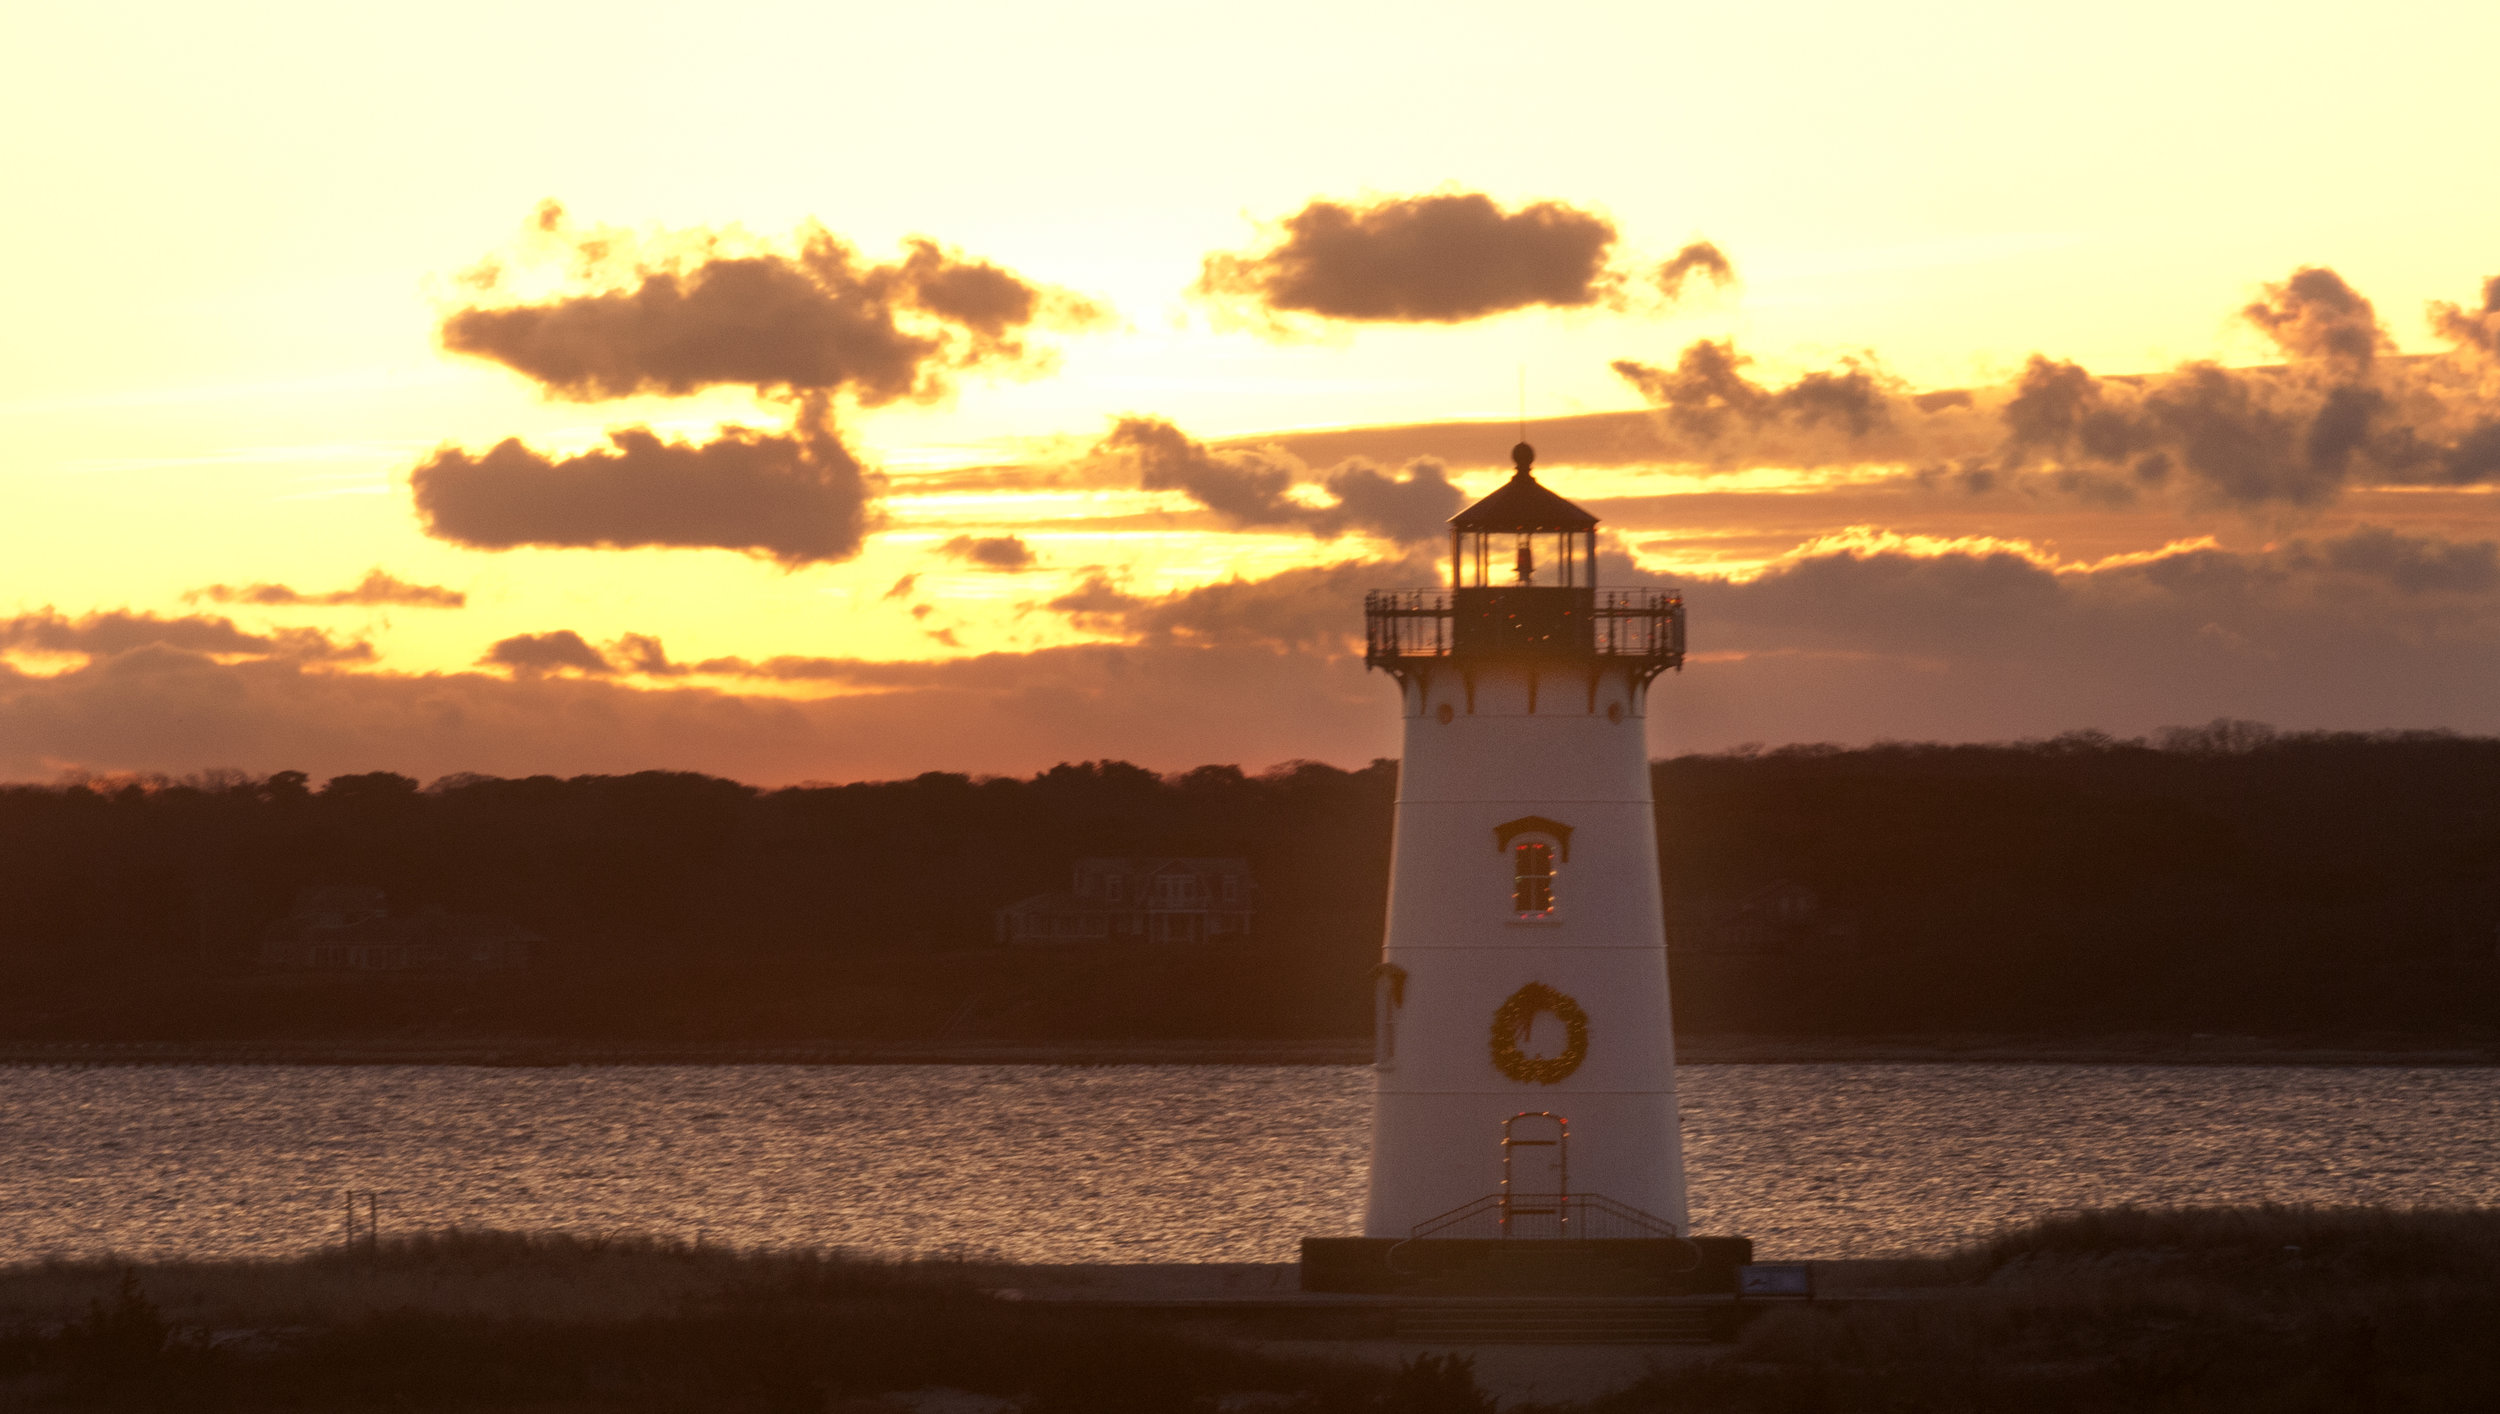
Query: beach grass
x,y
505,1321
2244,1310
2223,1309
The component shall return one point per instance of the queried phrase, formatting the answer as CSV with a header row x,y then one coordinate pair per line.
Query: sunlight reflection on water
x,y
1156,1163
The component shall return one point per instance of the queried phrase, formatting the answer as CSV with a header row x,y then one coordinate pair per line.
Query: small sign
x,y
1778,1279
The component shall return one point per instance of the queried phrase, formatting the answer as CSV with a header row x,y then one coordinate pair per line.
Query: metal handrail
x,y
1577,1215
1642,626
1455,1216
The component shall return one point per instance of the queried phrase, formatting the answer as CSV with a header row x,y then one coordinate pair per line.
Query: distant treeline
x,y
2221,880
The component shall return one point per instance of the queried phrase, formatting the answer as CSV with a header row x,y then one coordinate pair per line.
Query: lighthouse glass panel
x,y
1532,878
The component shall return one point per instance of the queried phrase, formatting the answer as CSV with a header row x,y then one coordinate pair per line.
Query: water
x,y
1156,1163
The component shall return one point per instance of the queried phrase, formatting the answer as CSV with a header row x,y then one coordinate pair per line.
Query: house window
x,y
1232,888
1532,878
1113,884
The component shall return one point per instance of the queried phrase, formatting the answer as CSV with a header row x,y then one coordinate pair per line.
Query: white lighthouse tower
x,y
1526,1061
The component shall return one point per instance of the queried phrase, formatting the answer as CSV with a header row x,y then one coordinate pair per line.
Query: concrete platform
x,y
1522,1266
1263,1303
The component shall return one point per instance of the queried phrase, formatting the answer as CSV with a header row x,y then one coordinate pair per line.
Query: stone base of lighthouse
x,y
1424,1267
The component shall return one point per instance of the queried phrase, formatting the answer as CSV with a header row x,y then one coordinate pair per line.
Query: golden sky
x,y
1092,359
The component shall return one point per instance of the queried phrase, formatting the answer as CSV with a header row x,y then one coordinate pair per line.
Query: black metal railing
x,y
1642,627
1545,1215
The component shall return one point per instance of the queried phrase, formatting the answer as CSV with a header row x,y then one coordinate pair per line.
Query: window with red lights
x,y
1532,878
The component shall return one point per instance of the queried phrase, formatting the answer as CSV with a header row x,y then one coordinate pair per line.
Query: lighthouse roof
x,y
1523,504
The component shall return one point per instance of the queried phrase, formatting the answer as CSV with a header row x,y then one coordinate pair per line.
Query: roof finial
x,y
1523,456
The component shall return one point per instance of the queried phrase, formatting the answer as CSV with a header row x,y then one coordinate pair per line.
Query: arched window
x,y
1532,878
1535,846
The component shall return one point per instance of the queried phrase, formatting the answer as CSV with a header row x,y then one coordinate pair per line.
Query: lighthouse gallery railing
x,y
1640,626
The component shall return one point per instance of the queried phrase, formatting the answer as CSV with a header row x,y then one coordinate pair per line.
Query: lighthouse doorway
x,y
1536,1175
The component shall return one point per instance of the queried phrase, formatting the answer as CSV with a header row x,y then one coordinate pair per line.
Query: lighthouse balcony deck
x,y
1641,628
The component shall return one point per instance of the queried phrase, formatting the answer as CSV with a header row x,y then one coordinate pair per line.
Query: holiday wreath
x,y
1510,1027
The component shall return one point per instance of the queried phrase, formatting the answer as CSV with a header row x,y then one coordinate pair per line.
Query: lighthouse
x,y
1525,1059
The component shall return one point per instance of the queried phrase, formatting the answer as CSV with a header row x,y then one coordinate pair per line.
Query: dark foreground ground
x,y
2205,1310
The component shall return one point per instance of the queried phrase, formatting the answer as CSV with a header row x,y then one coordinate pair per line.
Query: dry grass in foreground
x,y
2217,1311
499,1321
2263,1310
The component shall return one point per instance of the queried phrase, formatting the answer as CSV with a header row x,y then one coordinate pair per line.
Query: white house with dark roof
x,y
339,929
1138,899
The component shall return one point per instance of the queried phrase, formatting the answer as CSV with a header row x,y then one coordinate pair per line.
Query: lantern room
x,y
1523,584
1523,535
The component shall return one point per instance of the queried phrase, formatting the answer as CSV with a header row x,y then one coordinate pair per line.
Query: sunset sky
x,y
830,392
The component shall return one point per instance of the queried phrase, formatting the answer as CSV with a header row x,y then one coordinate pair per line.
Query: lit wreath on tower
x,y
1510,1026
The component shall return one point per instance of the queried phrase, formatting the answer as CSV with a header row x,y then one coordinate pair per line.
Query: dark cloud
x,y
902,587
799,497
2363,630
1097,603
2340,413
641,653
116,632
1313,609
1170,707
1435,259
2237,440
808,325
563,650
1415,505
2471,328
375,589
1247,487
1700,258
1298,609
2057,404
2409,564
2349,591
819,319
1005,553
1707,395
2315,315
2251,437
2475,458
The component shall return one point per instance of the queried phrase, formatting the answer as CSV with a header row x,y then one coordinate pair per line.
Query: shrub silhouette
x,y
1436,1384
125,1351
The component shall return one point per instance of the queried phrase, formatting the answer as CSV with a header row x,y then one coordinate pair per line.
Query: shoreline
x,y
531,1054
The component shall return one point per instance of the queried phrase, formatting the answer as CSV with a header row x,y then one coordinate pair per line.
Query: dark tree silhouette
x,y
2227,879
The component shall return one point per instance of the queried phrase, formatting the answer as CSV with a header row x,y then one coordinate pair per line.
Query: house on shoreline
x,y
1780,919
1137,899
343,930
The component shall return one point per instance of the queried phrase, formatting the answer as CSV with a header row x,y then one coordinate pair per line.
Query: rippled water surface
x,y
1157,1163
